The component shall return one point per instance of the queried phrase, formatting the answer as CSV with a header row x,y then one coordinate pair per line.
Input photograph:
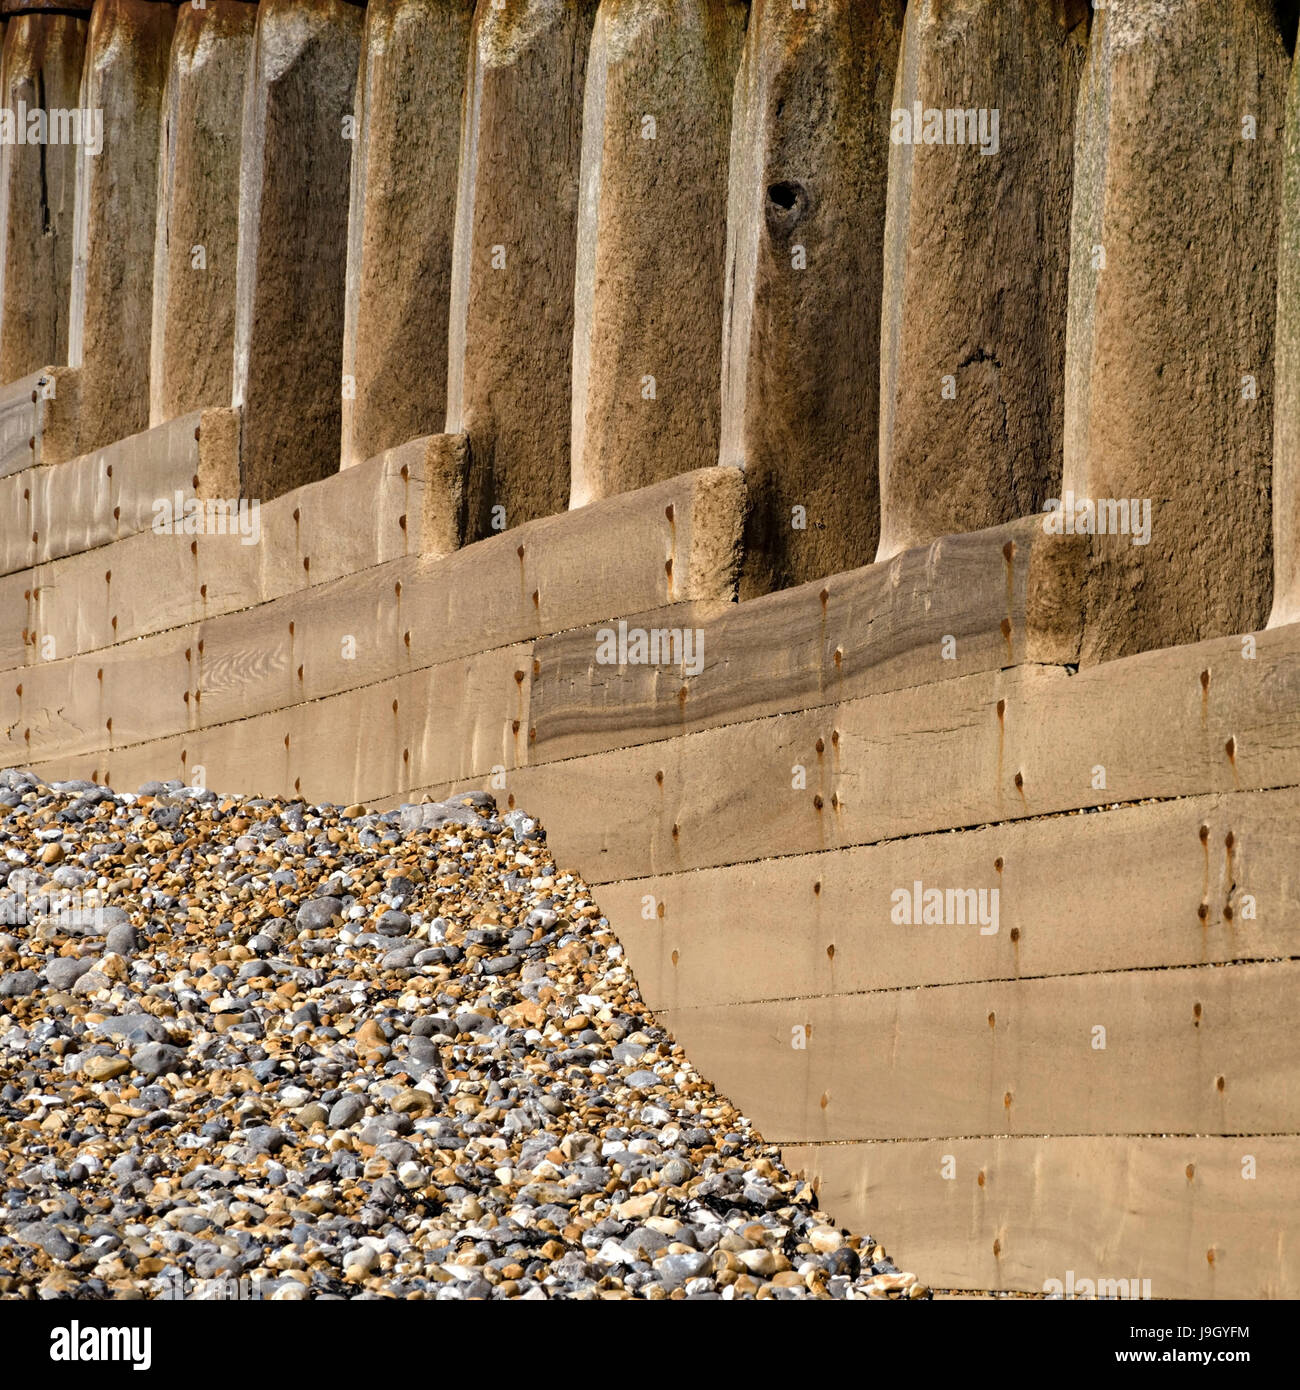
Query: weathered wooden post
x,y
40,70
1169,365
402,215
806,216
647,351
197,235
510,349
111,313
976,264
293,229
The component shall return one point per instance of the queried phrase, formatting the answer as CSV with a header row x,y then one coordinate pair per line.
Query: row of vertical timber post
x,y
675,235
40,66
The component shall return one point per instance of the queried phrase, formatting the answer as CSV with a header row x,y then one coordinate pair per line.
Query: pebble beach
x,y
259,1049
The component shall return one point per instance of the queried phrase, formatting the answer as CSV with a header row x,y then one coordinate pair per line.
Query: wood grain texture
x,y
976,750
1116,890
100,497
676,540
1014,1057
965,604
1018,1212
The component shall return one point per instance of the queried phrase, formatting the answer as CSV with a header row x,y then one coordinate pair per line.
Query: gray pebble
x,y
17,984
346,1111
121,939
64,971
319,913
157,1059
134,1028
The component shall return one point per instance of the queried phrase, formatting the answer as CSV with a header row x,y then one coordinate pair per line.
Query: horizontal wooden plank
x,y
149,583
1017,1212
332,528
454,720
124,591
39,419
1110,890
17,539
125,694
16,607
403,616
1207,1050
677,540
124,769
967,752
91,501
20,424
962,605
905,762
